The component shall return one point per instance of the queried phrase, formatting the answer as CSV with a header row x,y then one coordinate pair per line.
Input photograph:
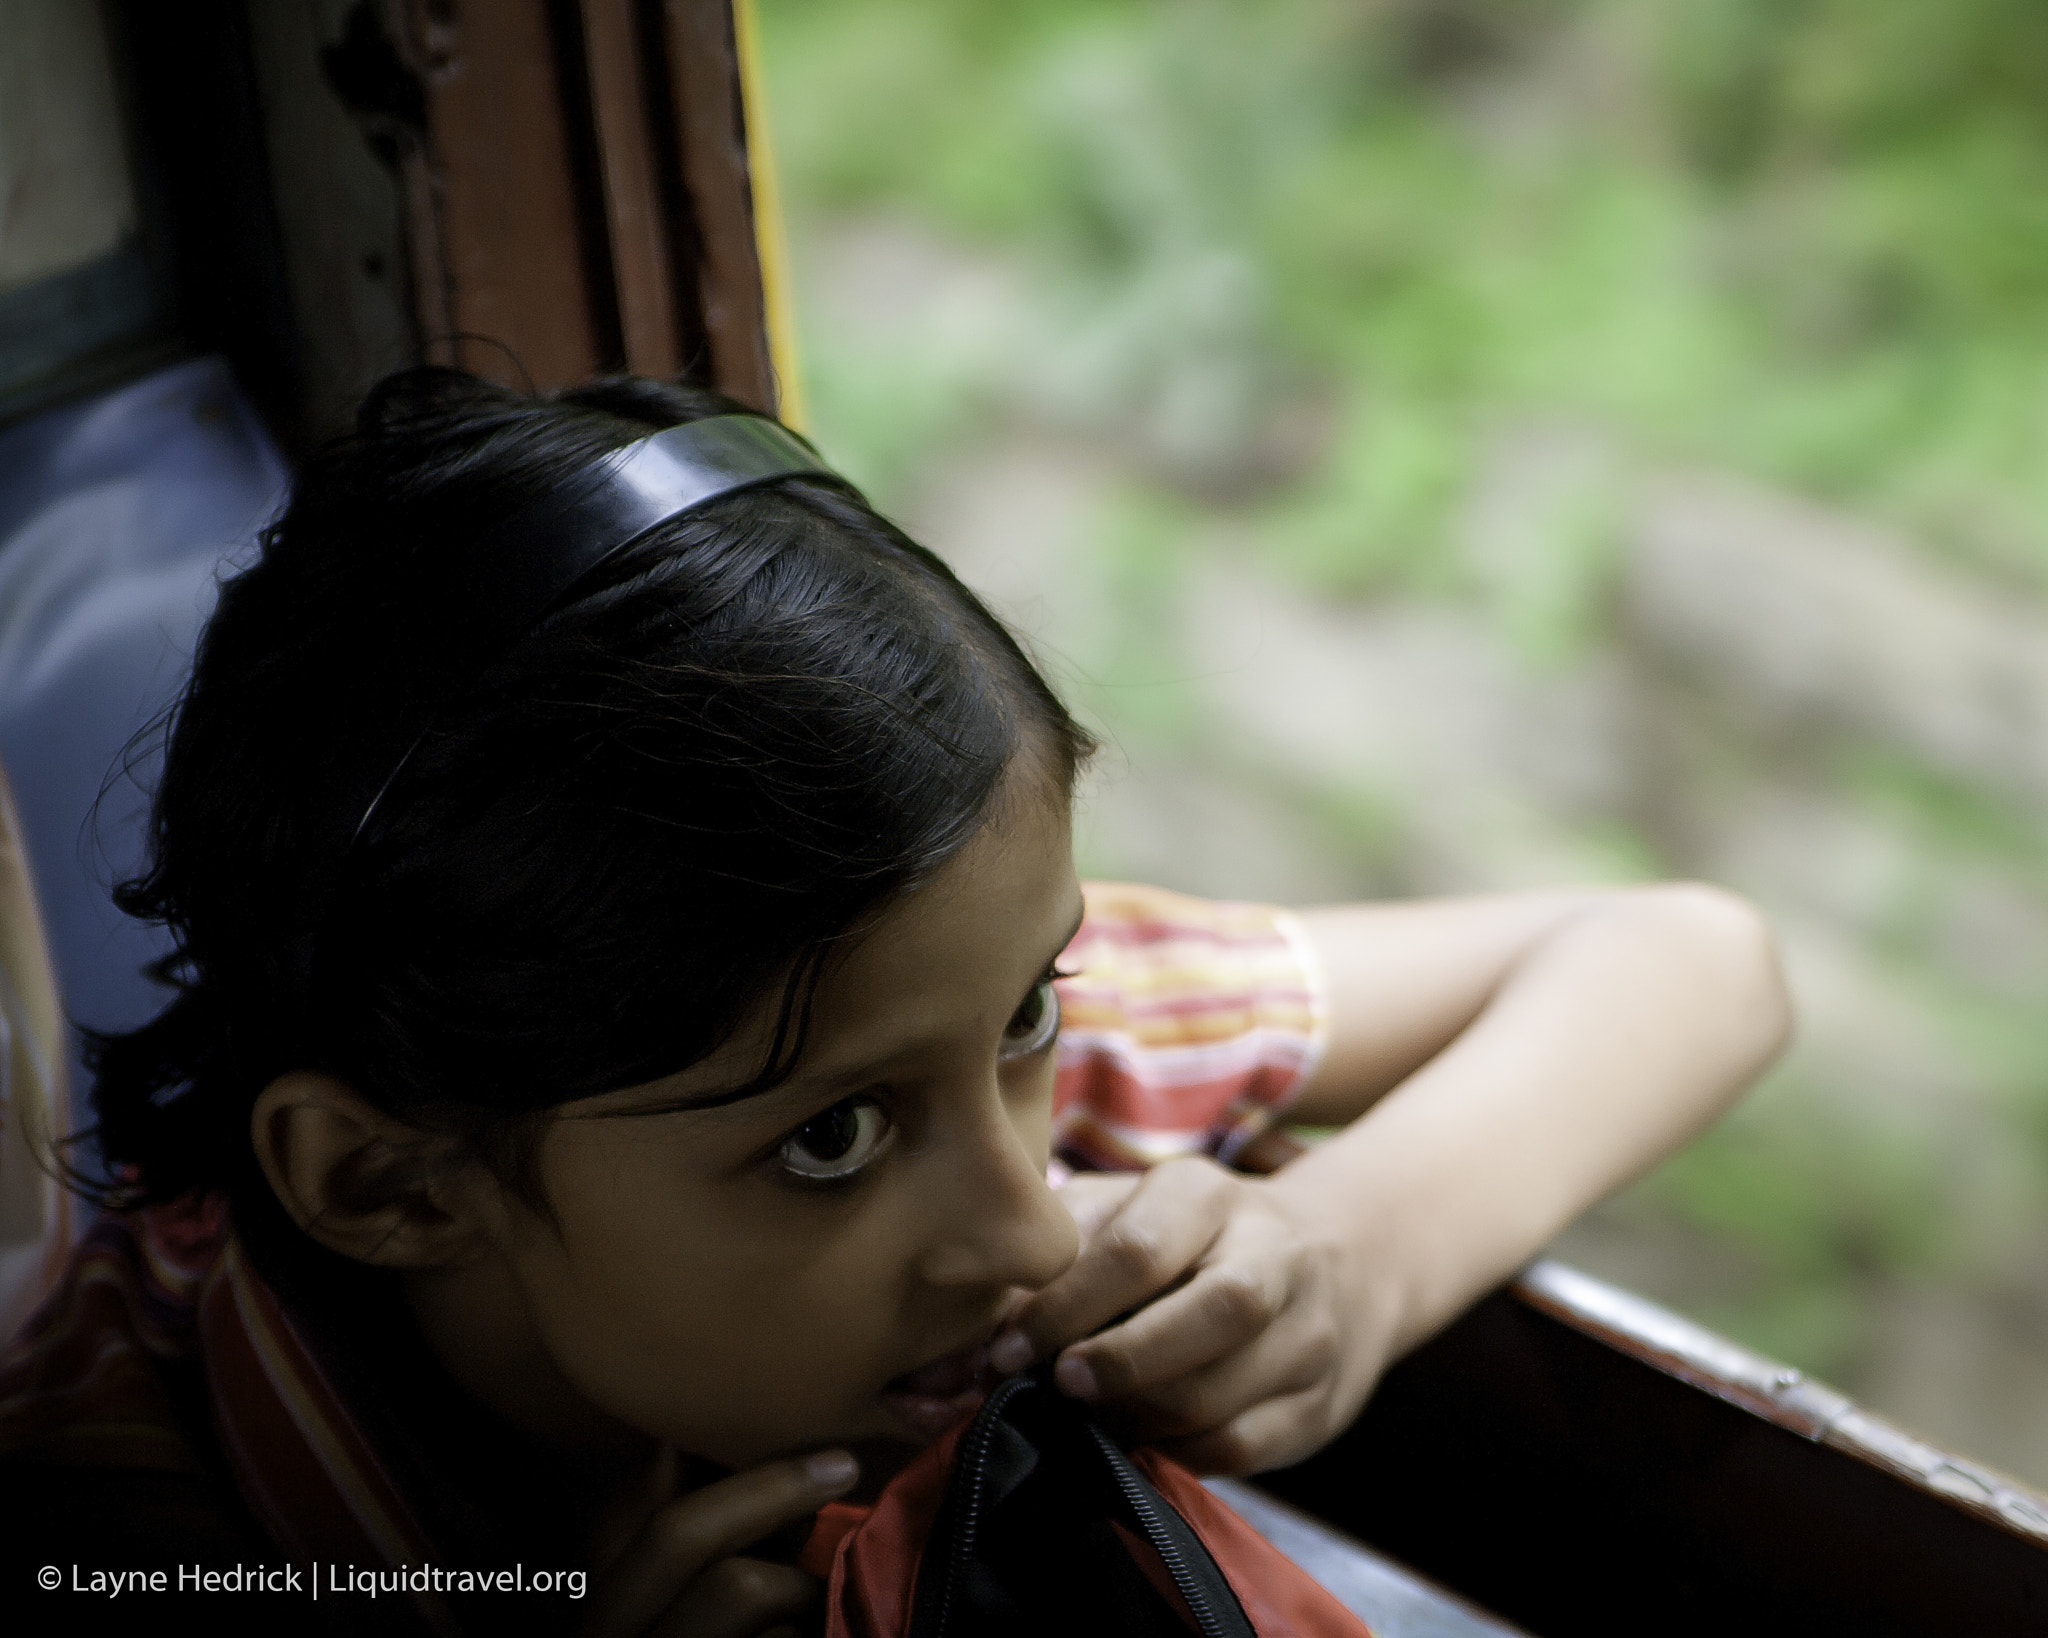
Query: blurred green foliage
x,y
1300,261
1805,237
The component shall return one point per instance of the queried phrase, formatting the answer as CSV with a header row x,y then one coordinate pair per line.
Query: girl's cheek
x,y
1031,1112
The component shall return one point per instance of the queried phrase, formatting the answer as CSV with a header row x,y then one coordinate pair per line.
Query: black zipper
x,y
1212,1612
1137,1495
967,1483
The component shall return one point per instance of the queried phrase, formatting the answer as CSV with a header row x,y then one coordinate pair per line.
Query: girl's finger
x,y
1092,1198
629,1512
1269,1435
1161,1231
736,1598
683,1538
1223,1308
1291,1357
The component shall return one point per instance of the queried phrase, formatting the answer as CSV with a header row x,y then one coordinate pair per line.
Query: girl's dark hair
x,y
732,744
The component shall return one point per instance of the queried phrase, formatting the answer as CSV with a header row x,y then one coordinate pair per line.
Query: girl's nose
x,y
998,1221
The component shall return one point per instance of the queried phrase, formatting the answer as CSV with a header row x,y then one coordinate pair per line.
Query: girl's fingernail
x,y
1075,1377
1010,1352
831,1469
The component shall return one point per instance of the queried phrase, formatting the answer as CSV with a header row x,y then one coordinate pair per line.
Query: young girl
x,y
608,1101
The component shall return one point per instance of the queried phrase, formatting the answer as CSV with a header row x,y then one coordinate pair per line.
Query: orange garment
x,y
868,1557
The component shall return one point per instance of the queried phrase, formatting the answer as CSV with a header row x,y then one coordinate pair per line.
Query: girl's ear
x,y
362,1182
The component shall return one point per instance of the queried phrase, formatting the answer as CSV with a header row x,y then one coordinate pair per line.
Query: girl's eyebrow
x,y
691,1103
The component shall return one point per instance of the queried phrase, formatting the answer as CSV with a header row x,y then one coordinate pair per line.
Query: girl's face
x,y
819,1265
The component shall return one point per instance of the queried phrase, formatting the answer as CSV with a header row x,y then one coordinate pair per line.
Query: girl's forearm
x,y
1619,1032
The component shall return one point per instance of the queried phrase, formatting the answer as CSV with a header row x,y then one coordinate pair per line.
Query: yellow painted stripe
x,y
770,243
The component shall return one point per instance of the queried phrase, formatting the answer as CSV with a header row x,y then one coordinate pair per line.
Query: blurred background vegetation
x,y
1452,444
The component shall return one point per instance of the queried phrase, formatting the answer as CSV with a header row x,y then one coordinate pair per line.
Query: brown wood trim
x,y
580,199
712,158
640,252
432,292
501,235
566,186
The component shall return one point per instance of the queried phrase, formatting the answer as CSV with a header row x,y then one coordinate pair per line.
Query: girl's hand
x,y
669,1567
1256,1335
1498,1065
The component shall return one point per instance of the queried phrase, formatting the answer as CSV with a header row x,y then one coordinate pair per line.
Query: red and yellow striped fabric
x,y
1186,1025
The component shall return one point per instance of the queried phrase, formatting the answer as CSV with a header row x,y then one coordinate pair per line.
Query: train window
x,y
77,295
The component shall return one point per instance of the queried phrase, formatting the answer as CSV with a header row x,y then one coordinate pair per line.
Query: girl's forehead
x,y
1011,888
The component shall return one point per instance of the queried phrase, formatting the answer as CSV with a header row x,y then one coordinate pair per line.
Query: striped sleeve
x,y
1186,1026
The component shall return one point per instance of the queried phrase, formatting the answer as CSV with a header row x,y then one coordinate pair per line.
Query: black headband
x,y
541,554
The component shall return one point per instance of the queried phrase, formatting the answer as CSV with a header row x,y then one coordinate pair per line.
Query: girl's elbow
x,y
1728,949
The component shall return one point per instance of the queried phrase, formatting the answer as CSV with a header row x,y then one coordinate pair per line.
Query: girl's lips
x,y
948,1374
930,1399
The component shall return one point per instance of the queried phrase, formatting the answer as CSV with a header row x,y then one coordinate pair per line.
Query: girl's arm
x,y
1502,1064
1505,1063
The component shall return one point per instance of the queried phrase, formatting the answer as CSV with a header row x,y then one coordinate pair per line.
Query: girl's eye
x,y
1034,1025
837,1142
